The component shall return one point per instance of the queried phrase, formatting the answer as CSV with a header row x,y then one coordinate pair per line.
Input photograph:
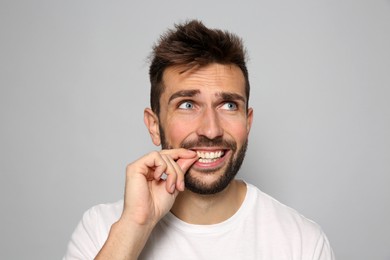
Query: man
x,y
184,202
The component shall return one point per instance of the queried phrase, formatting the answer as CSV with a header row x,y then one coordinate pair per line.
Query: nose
x,y
210,125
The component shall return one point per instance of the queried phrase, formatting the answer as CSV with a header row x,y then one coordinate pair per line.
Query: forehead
x,y
211,78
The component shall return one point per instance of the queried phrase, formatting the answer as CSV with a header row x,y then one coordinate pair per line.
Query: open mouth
x,y
210,156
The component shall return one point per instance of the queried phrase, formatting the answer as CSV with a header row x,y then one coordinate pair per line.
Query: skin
x,y
203,102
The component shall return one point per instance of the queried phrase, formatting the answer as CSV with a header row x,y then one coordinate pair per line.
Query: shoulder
x,y
92,231
98,219
273,211
109,212
286,226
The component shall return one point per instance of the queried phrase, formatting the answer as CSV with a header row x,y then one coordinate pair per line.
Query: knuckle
x,y
155,153
128,167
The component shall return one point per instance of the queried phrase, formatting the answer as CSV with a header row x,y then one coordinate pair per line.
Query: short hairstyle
x,y
192,44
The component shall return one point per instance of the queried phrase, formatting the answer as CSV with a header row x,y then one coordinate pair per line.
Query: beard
x,y
198,186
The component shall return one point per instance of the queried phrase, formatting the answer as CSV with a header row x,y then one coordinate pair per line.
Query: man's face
x,y
204,109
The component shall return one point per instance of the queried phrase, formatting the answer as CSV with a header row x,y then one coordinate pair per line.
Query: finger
x,y
179,174
183,159
147,166
176,154
167,169
156,165
171,172
185,164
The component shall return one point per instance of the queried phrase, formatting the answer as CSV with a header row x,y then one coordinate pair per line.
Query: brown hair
x,y
192,44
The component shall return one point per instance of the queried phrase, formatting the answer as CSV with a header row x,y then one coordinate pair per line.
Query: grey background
x,y
73,77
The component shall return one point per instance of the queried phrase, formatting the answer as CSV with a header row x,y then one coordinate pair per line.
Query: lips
x,y
210,159
209,156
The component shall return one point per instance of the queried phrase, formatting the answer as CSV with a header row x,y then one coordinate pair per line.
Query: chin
x,y
208,184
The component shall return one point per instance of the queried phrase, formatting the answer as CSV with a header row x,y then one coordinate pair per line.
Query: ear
x,y
152,123
249,119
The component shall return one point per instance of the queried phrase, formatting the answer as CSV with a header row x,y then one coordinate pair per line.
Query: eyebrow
x,y
183,93
231,96
194,92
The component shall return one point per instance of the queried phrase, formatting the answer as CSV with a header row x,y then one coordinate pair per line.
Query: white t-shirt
x,y
262,228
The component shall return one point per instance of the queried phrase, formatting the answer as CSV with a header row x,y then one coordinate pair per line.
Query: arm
x,y
147,200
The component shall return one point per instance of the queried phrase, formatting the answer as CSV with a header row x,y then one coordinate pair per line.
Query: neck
x,y
209,209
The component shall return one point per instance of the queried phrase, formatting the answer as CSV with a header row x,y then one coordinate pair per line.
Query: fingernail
x,y
164,176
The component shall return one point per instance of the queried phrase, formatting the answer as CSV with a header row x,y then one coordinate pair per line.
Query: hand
x,y
147,200
147,197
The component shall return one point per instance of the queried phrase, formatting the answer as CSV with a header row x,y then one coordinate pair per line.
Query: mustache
x,y
207,142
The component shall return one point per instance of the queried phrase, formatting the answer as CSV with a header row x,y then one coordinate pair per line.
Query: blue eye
x,y
230,106
186,105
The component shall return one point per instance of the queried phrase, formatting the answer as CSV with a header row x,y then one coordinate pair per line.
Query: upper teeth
x,y
210,155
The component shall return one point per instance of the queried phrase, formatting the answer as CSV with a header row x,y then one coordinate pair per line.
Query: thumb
x,y
185,164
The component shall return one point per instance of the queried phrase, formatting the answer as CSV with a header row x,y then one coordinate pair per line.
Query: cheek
x,y
239,133
236,128
178,131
